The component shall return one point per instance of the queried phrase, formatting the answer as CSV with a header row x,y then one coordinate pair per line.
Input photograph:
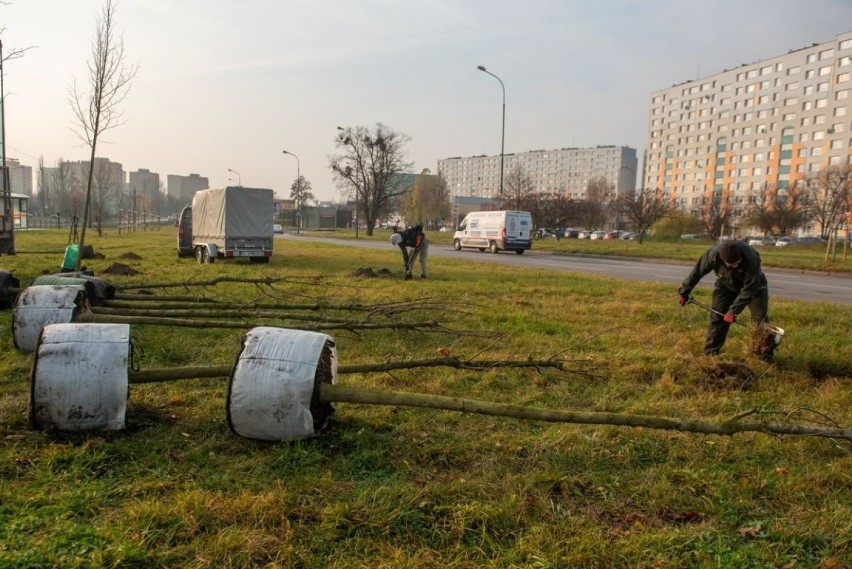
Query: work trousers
x,y
717,328
423,253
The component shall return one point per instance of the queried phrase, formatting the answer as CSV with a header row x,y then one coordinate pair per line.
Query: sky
x,y
224,86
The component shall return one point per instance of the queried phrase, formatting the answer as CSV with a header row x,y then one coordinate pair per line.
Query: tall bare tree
x,y
643,208
368,169
98,109
828,194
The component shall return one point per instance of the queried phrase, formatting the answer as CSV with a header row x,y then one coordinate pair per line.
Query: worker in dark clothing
x,y
740,283
414,238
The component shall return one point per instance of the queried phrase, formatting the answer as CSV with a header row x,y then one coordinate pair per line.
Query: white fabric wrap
x,y
272,385
40,305
79,377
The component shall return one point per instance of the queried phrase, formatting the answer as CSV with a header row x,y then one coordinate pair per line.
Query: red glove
x,y
682,300
730,318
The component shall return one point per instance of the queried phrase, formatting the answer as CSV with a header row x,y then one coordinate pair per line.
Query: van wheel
x,y
493,247
519,251
457,244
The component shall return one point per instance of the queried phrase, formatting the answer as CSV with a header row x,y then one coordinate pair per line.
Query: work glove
x,y
730,318
682,300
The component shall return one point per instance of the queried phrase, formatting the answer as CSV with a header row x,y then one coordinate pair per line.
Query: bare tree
x,y
104,192
98,110
591,211
62,184
715,212
828,195
369,169
643,208
776,211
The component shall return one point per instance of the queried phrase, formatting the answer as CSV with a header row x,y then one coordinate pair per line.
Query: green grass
x,y
388,487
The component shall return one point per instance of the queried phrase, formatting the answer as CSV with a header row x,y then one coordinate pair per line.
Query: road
x,y
797,285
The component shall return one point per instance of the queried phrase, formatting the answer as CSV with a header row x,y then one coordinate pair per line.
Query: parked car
x,y
809,240
611,235
277,228
784,241
584,234
759,241
597,235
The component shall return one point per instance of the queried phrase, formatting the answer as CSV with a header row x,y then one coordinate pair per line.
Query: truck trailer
x,y
233,222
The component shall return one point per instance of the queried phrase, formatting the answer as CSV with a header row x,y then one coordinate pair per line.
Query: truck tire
x,y
493,247
199,254
519,251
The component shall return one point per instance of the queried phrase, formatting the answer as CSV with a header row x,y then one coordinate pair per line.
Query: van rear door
x,y
184,233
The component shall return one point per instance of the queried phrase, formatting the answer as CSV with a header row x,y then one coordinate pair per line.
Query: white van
x,y
495,231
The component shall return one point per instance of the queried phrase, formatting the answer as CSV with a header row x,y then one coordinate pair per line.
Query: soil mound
x,y
120,269
130,256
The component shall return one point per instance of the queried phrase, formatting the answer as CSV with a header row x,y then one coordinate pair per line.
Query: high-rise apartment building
x,y
20,177
565,171
182,188
772,122
144,187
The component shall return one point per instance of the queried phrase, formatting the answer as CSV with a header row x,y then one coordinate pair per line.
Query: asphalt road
x,y
798,285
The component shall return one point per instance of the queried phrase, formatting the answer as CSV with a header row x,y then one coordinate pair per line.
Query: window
x,y
842,77
826,70
845,44
804,137
793,70
843,61
842,94
810,74
840,112
821,103
809,89
806,121
807,105
819,119
791,101
811,58
822,87
836,144
790,86
816,151
763,99
826,54
790,117
766,70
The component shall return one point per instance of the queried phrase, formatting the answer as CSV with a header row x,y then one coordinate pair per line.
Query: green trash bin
x,y
72,252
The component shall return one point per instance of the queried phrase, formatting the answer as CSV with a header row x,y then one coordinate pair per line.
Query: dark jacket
x,y
745,280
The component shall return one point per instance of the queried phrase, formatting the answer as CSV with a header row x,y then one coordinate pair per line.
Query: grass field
x,y
401,487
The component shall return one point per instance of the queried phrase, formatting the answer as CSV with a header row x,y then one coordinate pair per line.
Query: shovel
x,y
776,332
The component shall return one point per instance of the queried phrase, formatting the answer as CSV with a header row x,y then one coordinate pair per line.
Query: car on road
x,y
277,228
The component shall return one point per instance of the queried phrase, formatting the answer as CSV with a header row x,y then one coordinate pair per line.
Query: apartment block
x,y
565,171
772,122
182,188
144,187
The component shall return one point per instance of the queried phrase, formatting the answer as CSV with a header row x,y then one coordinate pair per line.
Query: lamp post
x,y
503,134
239,179
298,192
348,172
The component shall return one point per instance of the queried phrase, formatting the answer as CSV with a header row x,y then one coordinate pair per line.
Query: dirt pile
x,y
120,269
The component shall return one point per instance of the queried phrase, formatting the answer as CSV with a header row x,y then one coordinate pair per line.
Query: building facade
x,y
182,188
773,122
20,177
565,171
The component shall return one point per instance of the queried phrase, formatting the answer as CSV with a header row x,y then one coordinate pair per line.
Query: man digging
x,y
740,283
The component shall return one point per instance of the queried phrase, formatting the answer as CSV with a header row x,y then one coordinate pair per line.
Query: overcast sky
x,y
229,84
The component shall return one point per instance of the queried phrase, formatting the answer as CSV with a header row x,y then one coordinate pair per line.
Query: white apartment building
x,y
771,122
565,171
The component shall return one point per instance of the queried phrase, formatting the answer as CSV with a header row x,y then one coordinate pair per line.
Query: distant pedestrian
x,y
413,243
740,283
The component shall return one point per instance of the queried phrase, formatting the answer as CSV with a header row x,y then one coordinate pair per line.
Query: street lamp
x,y
298,192
348,172
239,179
503,135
